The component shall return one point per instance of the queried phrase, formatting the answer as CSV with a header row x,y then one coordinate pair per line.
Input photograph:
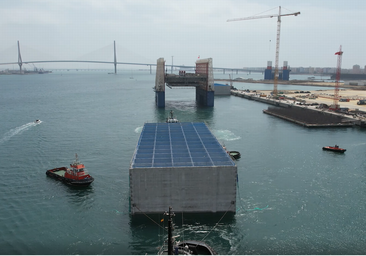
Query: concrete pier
x,y
160,83
309,116
202,80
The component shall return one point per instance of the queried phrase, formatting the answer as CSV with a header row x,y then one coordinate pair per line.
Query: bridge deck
x,y
189,79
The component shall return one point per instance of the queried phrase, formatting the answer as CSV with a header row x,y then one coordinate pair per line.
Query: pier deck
x,y
185,80
314,116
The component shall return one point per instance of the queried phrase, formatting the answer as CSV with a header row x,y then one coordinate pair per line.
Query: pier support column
x,y
160,83
205,92
160,99
204,98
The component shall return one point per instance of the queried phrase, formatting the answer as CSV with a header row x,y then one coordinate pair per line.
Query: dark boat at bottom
x,y
234,154
336,148
187,247
76,175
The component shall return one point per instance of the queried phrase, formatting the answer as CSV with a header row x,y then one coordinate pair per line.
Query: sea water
x,y
293,197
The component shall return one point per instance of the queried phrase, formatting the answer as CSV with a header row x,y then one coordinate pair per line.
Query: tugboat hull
x,y
334,149
58,174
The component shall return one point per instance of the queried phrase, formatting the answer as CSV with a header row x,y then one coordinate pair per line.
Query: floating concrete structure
x,y
202,80
181,165
222,89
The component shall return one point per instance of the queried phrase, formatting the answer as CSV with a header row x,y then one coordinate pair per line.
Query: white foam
x,y
226,135
17,131
138,129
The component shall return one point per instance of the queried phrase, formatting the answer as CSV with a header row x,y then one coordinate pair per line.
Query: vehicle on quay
x,y
361,102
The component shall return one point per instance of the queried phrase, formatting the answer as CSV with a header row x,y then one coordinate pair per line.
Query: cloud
x,y
185,29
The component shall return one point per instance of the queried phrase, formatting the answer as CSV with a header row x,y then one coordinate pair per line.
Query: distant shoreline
x,y
296,82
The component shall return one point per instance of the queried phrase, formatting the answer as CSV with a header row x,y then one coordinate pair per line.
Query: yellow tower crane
x,y
279,15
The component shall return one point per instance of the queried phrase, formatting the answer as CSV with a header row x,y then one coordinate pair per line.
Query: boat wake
x,y
226,135
138,129
17,131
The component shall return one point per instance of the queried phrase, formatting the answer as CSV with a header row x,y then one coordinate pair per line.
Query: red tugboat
x,y
76,175
336,148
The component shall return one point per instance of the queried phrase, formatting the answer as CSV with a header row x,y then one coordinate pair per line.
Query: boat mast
x,y
170,231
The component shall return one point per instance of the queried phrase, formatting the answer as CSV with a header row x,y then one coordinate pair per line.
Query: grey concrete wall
x,y
222,90
186,189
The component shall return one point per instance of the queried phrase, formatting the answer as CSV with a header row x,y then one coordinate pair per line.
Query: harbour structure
x,y
269,73
222,89
181,165
305,115
279,15
202,80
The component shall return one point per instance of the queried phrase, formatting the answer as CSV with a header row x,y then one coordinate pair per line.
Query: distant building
x,y
356,69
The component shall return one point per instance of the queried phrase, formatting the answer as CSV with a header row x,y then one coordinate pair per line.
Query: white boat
x,y
37,121
171,119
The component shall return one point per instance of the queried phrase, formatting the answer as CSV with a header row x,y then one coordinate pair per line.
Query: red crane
x,y
338,77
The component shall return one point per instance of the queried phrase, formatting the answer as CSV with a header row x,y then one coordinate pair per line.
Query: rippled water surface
x,y
293,198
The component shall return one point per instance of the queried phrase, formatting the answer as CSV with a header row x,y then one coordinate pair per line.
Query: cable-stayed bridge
x,y
115,63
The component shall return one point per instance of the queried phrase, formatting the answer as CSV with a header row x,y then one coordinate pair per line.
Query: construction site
x,y
311,109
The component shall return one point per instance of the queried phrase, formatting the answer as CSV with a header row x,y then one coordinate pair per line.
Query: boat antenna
x,y
76,158
170,230
182,225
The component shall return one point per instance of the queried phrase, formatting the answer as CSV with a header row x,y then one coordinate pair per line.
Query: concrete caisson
x,y
181,165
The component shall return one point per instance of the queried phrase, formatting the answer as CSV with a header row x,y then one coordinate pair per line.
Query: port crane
x,y
279,15
338,77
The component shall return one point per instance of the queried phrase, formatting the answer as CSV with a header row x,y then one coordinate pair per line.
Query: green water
x,y
293,198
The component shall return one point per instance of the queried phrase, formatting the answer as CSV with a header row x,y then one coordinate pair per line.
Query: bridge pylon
x,y
20,62
115,58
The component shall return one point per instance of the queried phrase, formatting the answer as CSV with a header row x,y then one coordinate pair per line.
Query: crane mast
x,y
277,52
279,15
338,77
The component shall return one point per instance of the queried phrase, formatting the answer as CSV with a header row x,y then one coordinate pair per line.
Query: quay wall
x,y
308,117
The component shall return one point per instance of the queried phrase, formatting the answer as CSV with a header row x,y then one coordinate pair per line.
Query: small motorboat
x,y
171,119
234,154
37,121
336,148
76,175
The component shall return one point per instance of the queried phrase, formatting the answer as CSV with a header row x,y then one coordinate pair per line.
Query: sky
x,y
145,30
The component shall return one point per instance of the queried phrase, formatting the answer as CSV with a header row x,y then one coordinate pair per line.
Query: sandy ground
x,y
326,97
